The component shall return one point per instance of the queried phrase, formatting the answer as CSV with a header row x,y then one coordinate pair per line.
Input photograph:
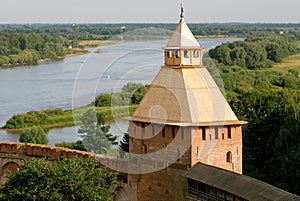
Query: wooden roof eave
x,y
187,124
184,48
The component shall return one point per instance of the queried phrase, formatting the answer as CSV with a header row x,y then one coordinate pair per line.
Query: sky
x,y
141,11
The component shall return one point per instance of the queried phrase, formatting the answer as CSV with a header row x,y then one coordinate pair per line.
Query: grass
x,y
72,117
96,43
214,36
113,152
292,62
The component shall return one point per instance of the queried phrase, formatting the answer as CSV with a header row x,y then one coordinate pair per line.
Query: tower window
x,y
169,54
229,157
216,133
203,133
163,132
196,53
186,54
229,132
143,125
144,149
177,54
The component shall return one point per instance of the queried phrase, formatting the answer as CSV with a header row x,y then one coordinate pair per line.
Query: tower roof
x,y
184,96
182,36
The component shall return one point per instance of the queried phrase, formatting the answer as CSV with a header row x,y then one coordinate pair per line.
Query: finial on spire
x,y
182,13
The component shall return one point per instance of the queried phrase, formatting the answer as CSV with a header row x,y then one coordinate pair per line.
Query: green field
x,y
96,43
292,62
58,118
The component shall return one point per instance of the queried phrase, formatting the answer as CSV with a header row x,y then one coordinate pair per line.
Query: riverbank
x,y
58,118
97,43
69,53
79,52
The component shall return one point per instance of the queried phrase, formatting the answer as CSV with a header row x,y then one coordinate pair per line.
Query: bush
x,y
34,135
72,145
54,111
29,119
65,179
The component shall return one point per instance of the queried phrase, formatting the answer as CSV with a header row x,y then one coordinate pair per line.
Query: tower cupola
x,y
183,49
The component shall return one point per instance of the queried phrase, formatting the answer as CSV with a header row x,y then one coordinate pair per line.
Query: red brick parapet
x,y
37,150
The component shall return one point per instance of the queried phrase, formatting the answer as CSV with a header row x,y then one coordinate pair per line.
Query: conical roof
x,y
182,37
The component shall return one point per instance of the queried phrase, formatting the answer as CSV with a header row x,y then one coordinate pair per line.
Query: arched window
x,y
196,53
169,54
229,157
186,54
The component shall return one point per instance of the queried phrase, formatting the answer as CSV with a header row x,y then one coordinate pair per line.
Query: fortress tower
x,y
183,119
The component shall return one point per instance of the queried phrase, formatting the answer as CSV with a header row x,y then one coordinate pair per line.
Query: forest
x,y
29,48
27,44
269,99
255,52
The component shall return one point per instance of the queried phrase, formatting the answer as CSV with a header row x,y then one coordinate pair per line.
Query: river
x,y
75,81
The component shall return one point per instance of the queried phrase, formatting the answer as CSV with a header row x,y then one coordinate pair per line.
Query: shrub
x,y
34,135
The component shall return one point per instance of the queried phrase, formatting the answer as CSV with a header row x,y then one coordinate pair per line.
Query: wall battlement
x,y
37,150
12,155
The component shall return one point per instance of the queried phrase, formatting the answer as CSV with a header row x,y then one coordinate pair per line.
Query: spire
x,y
182,13
182,36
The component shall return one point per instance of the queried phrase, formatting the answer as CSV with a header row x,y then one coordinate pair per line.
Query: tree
x,y
221,54
139,94
124,145
34,135
103,100
272,137
65,179
95,136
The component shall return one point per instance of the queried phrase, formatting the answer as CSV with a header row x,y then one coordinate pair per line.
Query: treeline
x,y
26,44
255,52
107,31
28,48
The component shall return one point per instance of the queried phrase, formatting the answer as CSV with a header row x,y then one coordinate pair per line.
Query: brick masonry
x,y
220,146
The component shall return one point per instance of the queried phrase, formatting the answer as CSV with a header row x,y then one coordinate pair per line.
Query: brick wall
x,y
36,150
187,146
